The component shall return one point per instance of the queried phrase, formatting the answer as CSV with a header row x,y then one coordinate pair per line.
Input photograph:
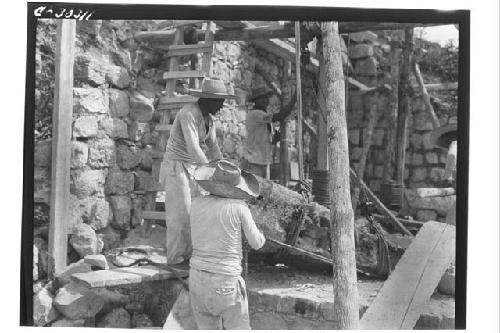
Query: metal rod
x,y
299,100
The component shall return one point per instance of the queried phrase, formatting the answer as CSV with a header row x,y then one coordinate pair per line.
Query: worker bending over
x,y
216,288
192,133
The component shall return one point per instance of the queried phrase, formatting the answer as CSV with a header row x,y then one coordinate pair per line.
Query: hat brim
x,y
247,188
444,135
199,93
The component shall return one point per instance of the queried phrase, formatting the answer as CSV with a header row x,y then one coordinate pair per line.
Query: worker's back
x,y
216,225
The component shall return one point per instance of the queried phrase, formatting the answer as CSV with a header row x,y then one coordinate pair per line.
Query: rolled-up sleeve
x,y
254,236
188,125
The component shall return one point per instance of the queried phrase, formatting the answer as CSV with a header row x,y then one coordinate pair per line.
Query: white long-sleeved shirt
x,y
216,225
189,136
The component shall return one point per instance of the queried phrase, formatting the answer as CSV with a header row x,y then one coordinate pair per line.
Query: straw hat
x,y
224,179
444,135
212,88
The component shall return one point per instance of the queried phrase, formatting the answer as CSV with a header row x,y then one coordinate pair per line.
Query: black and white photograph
x,y
245,167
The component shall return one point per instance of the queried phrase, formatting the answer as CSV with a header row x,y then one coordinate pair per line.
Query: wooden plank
x,y
206,61
153,215
124,276
403,296
441,86
231,24
168,107
181,50
61,147
183,23
425,95
182,74
177,99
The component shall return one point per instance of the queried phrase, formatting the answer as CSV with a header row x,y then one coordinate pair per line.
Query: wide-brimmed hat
x,y
260,91
212,88
444,135
225,179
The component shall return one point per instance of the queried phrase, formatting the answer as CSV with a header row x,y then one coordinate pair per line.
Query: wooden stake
x,y
403,107
299,100
321,139
284,163
367,142
425,95
61,153
346,312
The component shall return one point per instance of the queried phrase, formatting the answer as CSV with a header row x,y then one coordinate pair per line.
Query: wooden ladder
x,y
169,103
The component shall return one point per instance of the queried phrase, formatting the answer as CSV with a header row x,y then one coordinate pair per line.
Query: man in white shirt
x,y
192,142
216,288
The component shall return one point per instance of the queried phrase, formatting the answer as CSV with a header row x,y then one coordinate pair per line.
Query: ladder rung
x,y
164,100
182,74
163,128
153,215
180,50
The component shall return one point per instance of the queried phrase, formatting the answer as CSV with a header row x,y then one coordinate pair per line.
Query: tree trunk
x,y
345,292
403,107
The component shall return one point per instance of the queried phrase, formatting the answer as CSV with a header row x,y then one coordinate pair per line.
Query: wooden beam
x,y
61,152
321,139
299,100
286,30
399,303
403,108
441,86
284,162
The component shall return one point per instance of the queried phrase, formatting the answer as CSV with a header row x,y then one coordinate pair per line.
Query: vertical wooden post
x,y
403,106
345,308
321,139
299,100
284,163
392,117
61,143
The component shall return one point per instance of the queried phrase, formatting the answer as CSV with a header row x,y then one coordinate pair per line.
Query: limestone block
x,y
80,266
84,240
145,181
137,131
117,318
85,183
354,136
141,108
89,69
85,127
77,302
326,309
119,106
157,237
417,159
141,320
419,174
90,101
43,153
427,142
117,76
121,206
378,137
146,159
79,154
416,140
298,306
41,185
128,156
437,174
110,238
96,260
363,36
425,215
263,301
366,67
43,310
422,122
360,51
440,204
88,322
137,208
267,321
446,285
432,158
114,128
102,153
119,182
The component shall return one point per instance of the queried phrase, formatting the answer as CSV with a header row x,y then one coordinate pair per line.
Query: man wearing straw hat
x,y
192,135
445,137
258,145
216,288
